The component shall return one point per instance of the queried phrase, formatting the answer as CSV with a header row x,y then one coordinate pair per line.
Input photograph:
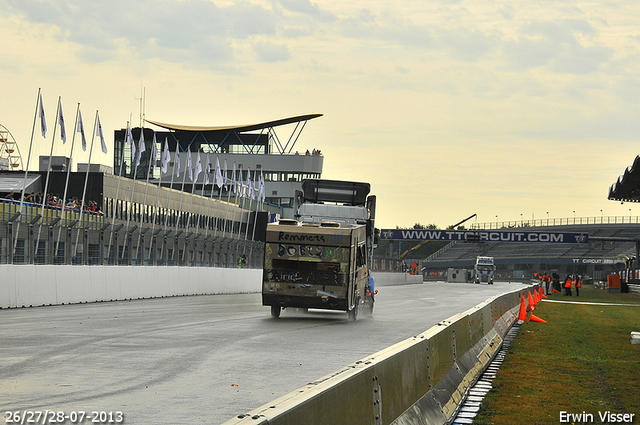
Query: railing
x,y
440,252
34,213
31,234
556,222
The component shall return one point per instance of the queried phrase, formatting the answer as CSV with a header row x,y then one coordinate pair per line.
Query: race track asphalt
x,y
199,359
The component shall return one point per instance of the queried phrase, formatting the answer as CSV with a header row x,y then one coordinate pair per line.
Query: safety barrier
x,y
31,285
420,380
30,212
389,279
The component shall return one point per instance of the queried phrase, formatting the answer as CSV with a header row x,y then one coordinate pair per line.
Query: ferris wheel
x,y
9,150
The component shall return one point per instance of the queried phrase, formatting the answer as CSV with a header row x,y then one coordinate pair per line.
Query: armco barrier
x,y
36,285
420,380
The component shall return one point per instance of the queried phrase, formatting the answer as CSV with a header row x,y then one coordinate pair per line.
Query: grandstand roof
x,y
627,187
237,128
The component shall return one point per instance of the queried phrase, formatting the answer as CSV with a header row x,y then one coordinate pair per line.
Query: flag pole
x,y
211,197
153,154
53,141
246,233
46,184
202,186
235,203
176,163
193,179
133,188
155,209
86,178
66,184
215,230
26,171
255,221
113,209
184,176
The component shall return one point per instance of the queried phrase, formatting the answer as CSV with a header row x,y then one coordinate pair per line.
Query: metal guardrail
x,y
31,213
545,222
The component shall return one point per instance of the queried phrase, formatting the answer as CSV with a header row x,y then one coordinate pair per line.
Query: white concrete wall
x,y
386,279
30,285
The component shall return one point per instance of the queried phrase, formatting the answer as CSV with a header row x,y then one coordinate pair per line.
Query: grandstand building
x,y
254,149
610,247
142,216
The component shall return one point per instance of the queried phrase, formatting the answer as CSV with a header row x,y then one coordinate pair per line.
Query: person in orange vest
x,y
578,285
567,285
546,279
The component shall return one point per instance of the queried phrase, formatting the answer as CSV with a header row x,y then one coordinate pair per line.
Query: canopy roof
x,y
14,182
627,187
237,128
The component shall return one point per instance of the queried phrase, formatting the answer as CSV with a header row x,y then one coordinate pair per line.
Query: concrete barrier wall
x,y
387,279
419,381
30,285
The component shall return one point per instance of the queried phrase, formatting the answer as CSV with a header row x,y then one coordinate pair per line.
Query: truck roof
x,y
345,192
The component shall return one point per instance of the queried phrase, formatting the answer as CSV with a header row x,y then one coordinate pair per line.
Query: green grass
x,y
581,360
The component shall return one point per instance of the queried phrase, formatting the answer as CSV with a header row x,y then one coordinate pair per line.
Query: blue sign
x,y
482,236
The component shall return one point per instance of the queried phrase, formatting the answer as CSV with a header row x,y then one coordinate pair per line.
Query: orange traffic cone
x,y
542,295
522,317
532,305
534,318
555,291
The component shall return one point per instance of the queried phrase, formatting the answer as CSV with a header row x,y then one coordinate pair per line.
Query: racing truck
x,y
320,259
483,270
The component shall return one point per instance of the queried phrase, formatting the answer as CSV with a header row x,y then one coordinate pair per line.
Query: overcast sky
x,y
448,108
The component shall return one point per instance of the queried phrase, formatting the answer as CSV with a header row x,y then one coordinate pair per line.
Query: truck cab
x,y
484,269
320,259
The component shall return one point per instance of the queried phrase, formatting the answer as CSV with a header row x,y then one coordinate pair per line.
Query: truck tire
x,y
275,311
353,313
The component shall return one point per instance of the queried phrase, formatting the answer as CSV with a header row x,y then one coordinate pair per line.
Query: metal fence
x,y
567,221
32,235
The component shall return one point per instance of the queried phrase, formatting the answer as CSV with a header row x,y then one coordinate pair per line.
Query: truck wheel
x,y
353,313
275,311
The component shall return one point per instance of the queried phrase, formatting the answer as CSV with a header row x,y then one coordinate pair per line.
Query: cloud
x,y
565,46
270,52
308,8
192,32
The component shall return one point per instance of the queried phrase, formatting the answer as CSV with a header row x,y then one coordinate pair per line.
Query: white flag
x,y
100,135
189,166
219,179
226,179
80,129
131,143
253,186
208,171
141,147
235,183
43,121
198,169
261,190
247,191
177,166
154,154
166,157
63,131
